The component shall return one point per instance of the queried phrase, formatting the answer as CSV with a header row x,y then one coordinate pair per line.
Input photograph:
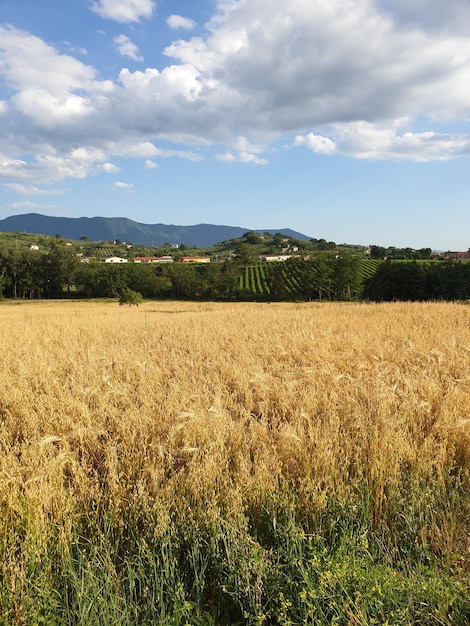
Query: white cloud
x,y
316,143
242,144
123,10
177,21
363,140
32,206
361,78
148,150
12,168
226,157
150,165
28,64
31,190
125,186
109,168
125,47
241,157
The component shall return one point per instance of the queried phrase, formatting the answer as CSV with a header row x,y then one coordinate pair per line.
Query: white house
x,y
115,259
274,257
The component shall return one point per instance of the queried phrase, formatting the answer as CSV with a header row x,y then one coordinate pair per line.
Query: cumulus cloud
x,y
177,21
316,143
431,15
124,186
363,78
242,144
125,47
363,140
123,10
28,64
109,168
241,157
150,165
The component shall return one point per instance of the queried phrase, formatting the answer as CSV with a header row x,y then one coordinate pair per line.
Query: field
x,y
257,279
199,463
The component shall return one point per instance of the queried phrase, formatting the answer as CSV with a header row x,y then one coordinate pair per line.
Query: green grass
x,y
275,565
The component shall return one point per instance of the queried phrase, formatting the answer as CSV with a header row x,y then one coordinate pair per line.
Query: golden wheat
x,y
214,402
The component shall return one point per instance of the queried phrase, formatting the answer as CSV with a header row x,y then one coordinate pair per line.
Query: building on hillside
x,y
196,259
274,257
115,259
153,259
457,256
145,259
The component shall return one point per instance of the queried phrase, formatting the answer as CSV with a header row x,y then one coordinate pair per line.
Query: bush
x,y
129,296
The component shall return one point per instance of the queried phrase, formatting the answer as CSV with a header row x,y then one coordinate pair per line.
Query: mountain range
x,y
113,228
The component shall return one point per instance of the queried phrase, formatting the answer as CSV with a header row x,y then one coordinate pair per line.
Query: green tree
x,y
60,266
130,297
277,282
251,237
246,254
315,276
345,276
377,252
185,281
13,262
396,280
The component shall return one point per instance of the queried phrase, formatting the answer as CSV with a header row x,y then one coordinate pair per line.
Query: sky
x,y
347,120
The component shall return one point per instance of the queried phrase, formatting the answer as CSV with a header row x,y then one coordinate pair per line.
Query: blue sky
x,y
347,120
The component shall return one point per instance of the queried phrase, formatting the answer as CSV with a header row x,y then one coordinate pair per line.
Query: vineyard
x,y
368,268
266,279
259,279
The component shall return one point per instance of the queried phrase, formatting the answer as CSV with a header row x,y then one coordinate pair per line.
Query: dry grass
x,y
212,406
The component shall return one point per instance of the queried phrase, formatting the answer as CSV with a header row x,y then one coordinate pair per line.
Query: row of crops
x,y
368,268
256,279
290,279
262,279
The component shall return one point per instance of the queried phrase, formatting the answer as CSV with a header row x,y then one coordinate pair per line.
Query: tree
x,y
277,282
395,280
251,237
185,281
314,276
345,277
377,252
130,297
60,266
246,254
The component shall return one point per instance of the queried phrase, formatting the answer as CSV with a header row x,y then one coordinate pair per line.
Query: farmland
x,y
234,463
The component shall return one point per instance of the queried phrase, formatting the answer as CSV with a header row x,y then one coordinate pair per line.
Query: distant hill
x,y
112,228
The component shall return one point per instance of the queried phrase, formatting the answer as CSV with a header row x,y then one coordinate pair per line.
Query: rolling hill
x,y
112,228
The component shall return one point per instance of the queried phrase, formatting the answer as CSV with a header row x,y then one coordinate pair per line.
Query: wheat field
x,y
200,463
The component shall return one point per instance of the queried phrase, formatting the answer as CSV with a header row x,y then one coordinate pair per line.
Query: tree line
x,y
58,273
441,280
